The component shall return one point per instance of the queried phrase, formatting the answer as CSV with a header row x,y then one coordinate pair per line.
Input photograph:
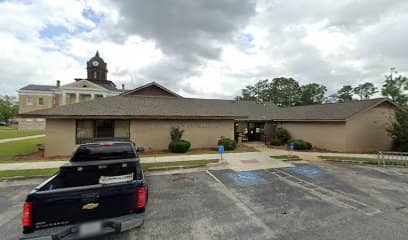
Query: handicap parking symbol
x,y
246,178
308,171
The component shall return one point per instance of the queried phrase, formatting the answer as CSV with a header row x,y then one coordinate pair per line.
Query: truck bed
x,y
74,196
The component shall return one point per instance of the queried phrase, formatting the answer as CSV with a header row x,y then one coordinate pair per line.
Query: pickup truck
x,y
101,190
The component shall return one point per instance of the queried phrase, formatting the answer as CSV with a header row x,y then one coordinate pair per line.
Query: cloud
x,y
203,48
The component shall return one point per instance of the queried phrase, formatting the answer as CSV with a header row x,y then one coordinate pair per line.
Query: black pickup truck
x,y
101,190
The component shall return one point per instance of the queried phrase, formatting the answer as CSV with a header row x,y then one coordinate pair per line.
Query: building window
x,y
40,101
104,129
29,100
94,75
99,130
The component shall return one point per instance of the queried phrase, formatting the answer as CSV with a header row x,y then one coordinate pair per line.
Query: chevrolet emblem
x,y
90,206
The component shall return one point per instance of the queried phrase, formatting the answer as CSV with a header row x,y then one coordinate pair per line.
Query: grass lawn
x,y
10,149
146,166
287,157
13,132
28,173
363,160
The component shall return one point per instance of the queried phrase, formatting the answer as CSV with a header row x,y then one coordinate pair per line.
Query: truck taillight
x,y
27,217
141,198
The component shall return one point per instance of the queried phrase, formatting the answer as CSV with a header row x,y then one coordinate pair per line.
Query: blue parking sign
x,y
291,146
221,149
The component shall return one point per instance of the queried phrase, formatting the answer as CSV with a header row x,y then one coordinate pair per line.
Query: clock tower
x,y
97,68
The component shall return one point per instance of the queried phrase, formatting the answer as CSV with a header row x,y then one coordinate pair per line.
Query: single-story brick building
x,y
146,114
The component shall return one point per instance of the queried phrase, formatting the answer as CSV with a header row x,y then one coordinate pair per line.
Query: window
x,y
29,100
104,129
94,75
40,101
96,130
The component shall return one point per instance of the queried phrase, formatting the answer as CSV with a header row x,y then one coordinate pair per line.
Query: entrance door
x,y
255,131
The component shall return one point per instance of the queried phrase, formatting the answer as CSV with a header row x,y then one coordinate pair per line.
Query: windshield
x,y
103,151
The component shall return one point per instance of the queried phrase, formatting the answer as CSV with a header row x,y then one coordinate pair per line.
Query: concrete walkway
x,y
21,138
312,156
235,161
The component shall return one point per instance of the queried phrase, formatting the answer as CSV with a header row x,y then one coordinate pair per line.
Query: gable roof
x,y
329,111
34,87
109,85
151,108
150,85
148,107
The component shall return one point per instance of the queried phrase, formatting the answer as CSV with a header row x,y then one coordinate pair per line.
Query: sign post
x,y
221,152
291,148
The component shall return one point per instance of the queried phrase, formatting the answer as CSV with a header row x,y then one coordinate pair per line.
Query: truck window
x,y
103,151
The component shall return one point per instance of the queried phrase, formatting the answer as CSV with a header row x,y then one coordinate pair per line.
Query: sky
x,y
203,48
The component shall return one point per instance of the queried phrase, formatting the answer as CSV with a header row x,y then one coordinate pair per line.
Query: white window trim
x,y
29,101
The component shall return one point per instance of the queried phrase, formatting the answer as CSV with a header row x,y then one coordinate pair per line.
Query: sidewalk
x,y
21,138
313,156
236,161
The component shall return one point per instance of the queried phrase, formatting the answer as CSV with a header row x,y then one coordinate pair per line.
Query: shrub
x,y
276,142
179,146
282,134
301,144
228,143
176,134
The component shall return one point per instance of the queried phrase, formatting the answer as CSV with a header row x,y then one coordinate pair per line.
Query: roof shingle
x,y
164,107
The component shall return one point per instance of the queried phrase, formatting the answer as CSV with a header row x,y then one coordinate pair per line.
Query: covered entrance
x,y
250,131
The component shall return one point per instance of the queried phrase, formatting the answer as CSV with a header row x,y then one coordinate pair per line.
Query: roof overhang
x,y
309,120
161,117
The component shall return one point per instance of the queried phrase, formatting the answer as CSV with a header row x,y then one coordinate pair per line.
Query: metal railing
x,y
383,157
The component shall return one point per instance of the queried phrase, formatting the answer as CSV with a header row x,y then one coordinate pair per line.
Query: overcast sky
x,y
207,48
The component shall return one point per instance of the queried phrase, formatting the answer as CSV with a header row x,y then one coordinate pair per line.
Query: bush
x,y
176,134
301,144
179,146
276,142
228,144
282,134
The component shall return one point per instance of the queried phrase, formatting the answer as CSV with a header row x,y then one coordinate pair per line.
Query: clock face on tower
x,y
95,63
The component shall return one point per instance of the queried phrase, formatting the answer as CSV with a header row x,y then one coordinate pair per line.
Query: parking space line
x,y
324,193
268,232
214,177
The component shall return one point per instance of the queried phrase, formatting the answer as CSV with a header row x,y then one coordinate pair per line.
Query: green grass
x,y
146,166
11,149
287,157
193,163
28,173
13,132
347,159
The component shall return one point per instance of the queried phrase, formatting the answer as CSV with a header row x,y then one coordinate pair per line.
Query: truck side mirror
x,y
140,149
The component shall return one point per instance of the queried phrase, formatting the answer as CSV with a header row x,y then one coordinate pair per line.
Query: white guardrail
x,y
383,157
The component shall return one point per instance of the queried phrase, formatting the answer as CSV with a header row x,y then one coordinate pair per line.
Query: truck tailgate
x,y
81,204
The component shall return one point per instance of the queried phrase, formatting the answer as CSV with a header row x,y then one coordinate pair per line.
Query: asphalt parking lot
x,y
309,201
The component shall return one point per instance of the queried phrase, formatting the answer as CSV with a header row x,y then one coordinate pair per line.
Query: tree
x,y
8,108
344,94
394,87
312,93
365,90
399,130
284,92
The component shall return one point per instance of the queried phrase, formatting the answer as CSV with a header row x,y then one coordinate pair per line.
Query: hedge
x,y
228,144
282,134
179,146
301,144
